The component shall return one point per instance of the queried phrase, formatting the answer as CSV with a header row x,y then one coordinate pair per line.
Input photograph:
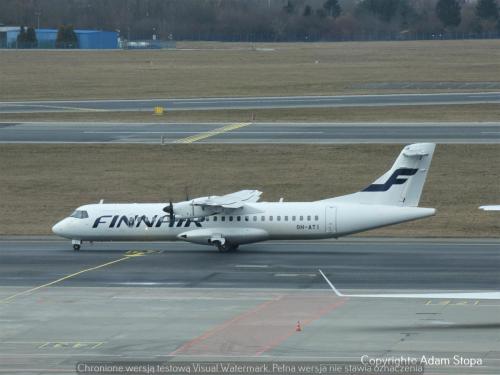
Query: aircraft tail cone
x,y
298,328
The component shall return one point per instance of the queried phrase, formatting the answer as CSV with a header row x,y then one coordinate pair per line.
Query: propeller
x,y
170,210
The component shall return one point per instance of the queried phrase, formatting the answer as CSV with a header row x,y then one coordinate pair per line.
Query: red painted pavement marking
x,y
262,328
224,325
281,339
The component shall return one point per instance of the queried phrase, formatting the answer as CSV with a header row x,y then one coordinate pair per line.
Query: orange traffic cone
x,y
298,328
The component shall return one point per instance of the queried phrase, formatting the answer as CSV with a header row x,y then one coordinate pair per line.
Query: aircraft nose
x,y
58,228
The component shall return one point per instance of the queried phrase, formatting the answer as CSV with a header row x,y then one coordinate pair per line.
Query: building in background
x,y
87,39
8,36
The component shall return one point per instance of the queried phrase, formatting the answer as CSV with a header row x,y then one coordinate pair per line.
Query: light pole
x,y
38,13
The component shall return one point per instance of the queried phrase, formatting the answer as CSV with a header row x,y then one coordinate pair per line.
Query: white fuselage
x,y
267,221
239,218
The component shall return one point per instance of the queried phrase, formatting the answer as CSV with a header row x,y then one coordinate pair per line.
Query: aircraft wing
x,y
490,208
230,201
444,295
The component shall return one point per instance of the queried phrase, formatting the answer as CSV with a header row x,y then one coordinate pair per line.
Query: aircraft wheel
x,y
227,248
222,248
76,247
233,248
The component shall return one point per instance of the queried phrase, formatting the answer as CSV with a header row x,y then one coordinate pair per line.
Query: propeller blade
x,y
169,210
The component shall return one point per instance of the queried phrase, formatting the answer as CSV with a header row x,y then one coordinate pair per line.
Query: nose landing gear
x,y
76,244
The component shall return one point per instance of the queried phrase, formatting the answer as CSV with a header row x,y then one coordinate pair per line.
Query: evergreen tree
x,y
289,7
21,37
61,37
31,38
66,37
332,7
71,37
448,12
383,9
487,10
307,11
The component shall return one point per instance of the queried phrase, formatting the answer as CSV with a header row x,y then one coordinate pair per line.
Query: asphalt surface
x,y
454,265
66,132
249,102
170,302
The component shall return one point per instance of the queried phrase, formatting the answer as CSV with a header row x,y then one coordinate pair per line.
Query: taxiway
x,y
177,301
246,132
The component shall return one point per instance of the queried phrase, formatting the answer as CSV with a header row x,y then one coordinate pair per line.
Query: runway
x,y
175,302
225,133
248,102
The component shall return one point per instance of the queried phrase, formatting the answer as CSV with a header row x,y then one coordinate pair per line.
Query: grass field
x,y
450,113
227,69
40,184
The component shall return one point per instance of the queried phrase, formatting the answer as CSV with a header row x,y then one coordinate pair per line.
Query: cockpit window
x,y
80,214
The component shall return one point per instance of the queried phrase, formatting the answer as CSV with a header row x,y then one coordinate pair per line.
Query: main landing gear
x,y
76,245
226,247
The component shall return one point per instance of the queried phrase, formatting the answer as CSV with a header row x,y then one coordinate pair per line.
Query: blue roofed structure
x,y
93,39
87,39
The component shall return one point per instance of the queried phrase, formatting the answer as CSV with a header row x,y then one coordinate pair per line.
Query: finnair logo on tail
x,y
393,180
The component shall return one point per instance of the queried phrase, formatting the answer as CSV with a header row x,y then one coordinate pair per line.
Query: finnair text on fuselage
x,y
116,221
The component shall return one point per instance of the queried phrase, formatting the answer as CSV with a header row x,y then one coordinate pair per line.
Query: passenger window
x,y
223,218
316,217
293,218
255,218
215,218
278,218
206,218
262,218
270,218
286,218
238,218
308,218
301,218
247,218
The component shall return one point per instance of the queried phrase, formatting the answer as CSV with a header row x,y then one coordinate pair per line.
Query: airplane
x,y
239,218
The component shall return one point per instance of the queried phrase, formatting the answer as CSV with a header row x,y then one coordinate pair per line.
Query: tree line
x,y
66,37
266,20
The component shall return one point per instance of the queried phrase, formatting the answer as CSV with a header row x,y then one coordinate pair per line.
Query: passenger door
x,y
330,219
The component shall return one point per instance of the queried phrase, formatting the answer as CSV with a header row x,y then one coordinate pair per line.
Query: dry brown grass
x,y
291,69
455,113
40,184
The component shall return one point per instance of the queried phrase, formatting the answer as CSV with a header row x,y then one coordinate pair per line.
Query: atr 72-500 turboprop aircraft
x,y
238,218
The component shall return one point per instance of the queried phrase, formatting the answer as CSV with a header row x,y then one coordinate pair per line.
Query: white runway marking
x,y
191,298
187,132
295,274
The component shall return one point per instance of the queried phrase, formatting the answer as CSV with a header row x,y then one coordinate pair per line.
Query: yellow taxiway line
x,y
29,291
211,133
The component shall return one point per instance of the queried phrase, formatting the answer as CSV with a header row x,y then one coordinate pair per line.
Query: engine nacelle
x,y
232,235
188,210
